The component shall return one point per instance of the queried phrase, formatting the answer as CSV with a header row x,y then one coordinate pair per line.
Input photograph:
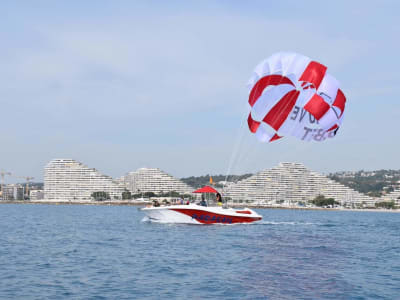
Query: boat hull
x,y
195,214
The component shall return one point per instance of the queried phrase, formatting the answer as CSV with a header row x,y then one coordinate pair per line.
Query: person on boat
x,y
203,202
219,199
156,203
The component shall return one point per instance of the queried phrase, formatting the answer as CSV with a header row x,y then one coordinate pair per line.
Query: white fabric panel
x,y
305,96
262,68
299,117
337,110
290,125
297,133
329,86
341,119
263,134
292,78
297,66
308,138
328,120
275,63
306,120
287,59
300,133
303,130
283,63
268,99
252,81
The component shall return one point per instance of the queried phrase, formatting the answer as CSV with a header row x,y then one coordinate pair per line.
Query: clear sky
x,y
119,85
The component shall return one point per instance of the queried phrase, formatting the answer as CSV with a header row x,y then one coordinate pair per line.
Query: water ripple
x,y
107,252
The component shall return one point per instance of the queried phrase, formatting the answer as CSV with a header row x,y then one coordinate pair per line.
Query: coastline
x,y
141,203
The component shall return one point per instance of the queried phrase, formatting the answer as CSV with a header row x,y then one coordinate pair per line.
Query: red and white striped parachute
x,y
290,94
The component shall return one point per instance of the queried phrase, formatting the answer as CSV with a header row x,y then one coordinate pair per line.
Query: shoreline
x,y
139,203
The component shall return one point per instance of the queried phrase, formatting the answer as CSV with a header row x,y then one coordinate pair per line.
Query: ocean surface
x,y
108,252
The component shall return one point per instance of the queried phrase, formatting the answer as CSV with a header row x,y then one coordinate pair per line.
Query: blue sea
x,y
108,252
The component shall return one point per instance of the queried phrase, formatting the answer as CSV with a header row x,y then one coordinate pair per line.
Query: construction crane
x,y
3,174
28,179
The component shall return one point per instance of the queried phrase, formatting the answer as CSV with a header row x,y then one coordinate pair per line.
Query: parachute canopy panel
x,y
290,94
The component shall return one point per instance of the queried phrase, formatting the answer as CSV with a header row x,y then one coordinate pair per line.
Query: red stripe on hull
x,y
243,212
206,217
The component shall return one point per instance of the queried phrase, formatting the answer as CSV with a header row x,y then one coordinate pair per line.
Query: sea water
x,y
108,252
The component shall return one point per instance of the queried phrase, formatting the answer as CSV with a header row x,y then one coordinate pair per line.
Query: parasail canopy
x,y
206,189
290,94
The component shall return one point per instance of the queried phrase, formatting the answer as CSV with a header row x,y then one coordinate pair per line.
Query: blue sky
x,y
119,85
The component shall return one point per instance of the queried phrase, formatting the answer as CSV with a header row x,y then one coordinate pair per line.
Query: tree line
x,y
371,183
127,195
199,181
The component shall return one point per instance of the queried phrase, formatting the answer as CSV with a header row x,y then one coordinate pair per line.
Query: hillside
x,y
199,181
372,183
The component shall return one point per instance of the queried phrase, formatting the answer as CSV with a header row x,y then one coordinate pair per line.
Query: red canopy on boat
x,y
206,189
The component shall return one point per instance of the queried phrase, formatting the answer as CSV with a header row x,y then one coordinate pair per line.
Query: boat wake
x,y
269,223
145,219
284,223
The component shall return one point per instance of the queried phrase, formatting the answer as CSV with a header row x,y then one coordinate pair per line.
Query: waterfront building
x,y
36,195
393,196
153,180
13,192
292,183
285,184
69,180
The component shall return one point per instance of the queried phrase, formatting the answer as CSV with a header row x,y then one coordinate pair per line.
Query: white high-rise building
x,y
289,183
69,180
154,180
393,196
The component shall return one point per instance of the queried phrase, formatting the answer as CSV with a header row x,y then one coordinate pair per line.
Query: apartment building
x,y
290,183
153,180
70,180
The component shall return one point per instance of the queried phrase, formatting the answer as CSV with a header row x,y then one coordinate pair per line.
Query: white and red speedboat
x,y
197,214
200,214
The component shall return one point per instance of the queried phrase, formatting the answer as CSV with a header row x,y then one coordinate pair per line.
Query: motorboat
x,y
192,213
198,214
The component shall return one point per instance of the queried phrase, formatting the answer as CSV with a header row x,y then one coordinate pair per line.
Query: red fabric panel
x,y
340,101
275,137
333,127
264,82
253,125
317,106
206,189
314,73
278,114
